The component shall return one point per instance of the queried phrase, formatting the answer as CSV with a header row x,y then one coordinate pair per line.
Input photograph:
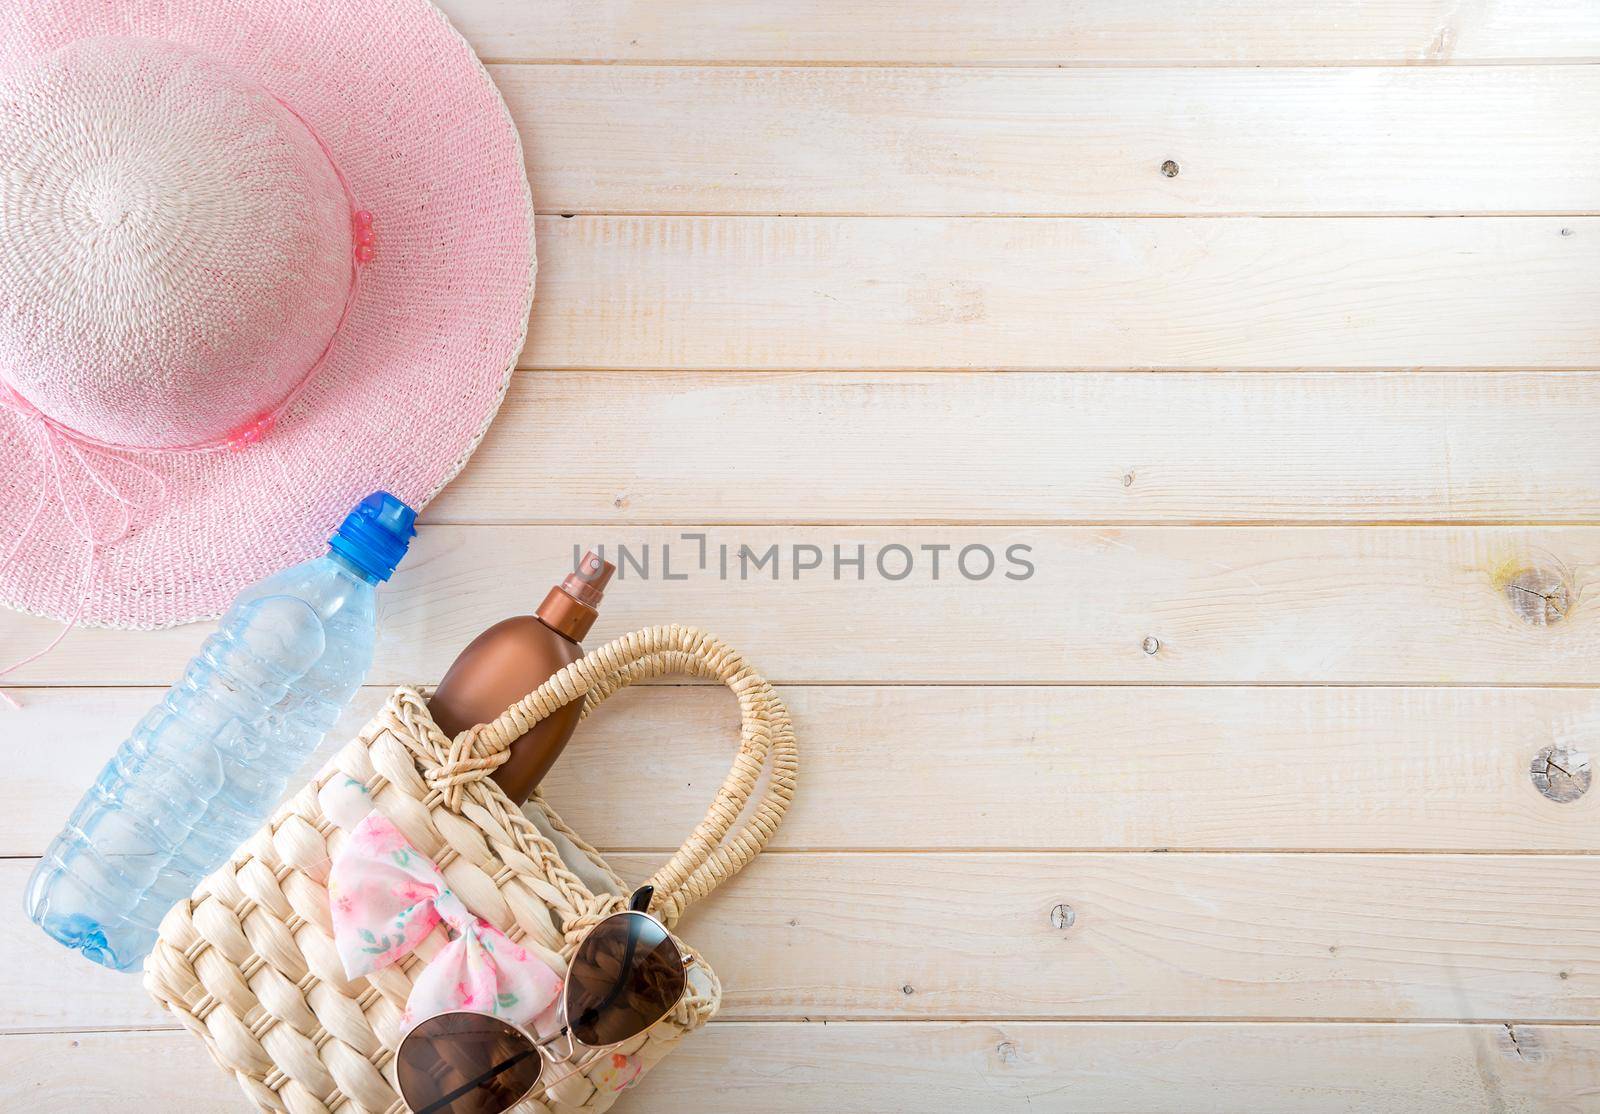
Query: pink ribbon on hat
x,y
386,897
74,467
98,461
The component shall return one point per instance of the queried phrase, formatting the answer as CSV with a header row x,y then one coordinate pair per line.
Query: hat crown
x,y
176,250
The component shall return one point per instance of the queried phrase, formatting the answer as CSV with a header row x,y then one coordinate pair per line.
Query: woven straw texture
x,y
178,248
411,119
248,963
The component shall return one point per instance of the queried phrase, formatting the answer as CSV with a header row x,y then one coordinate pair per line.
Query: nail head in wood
x,y
1561,773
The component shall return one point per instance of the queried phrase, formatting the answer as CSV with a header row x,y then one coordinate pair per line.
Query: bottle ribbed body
x,y
206,765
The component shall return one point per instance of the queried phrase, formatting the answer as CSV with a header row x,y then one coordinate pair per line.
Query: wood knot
x,y
1063,917
1521,1044
1169,168
1560,772
1540,596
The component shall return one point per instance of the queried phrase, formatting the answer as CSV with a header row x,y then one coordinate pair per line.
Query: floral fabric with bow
x,y
386,897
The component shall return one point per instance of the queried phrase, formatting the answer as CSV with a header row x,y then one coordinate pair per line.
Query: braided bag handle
x,y
714,851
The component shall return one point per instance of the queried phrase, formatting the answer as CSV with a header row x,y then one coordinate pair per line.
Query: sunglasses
x,y
627,974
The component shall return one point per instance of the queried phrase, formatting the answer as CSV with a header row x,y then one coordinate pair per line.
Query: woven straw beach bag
x,y
248,962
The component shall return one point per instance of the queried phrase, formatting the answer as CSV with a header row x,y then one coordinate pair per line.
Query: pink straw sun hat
x,y
257,259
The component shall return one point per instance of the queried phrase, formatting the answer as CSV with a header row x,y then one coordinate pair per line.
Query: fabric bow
x,y
386,897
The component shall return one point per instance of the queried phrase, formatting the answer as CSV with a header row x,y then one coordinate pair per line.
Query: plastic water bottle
x,y
205,766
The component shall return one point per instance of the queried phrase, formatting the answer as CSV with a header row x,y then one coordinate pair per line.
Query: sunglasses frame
x,y
638,906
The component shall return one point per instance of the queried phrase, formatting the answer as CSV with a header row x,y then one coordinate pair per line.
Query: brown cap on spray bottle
x,y
570,607
516,656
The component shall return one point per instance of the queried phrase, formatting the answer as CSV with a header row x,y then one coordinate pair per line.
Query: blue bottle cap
x,y
376,534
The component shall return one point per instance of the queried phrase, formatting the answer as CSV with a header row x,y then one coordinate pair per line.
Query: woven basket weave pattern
x,y
248,963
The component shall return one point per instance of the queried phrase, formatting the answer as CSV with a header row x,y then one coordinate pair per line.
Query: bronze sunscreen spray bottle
x,y
516,656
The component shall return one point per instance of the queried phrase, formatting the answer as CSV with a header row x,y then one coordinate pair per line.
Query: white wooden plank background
x,y
646,139
913,274
1228,605
908,447
1124,767
786,293
894,935
1033,32
1009,1068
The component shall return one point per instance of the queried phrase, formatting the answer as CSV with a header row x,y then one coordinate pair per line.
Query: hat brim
x,y
418,370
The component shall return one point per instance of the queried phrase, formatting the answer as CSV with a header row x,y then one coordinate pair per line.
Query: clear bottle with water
x,y
205,766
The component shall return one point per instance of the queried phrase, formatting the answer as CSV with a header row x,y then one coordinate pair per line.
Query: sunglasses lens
x,y
465,1063
627,975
